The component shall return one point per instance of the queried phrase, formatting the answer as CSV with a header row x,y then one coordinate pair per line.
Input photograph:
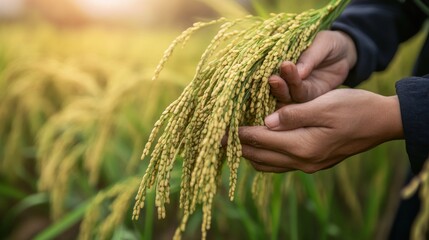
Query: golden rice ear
x,y
420,184
34,93
120,196
182,38
229,89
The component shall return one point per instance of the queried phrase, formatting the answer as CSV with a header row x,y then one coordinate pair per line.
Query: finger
x,y
269,158
270,161
289,73
262,137
295,116
299,91
279,89
263,168
314,55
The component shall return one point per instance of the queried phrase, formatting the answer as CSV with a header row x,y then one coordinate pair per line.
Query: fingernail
x,y
272,121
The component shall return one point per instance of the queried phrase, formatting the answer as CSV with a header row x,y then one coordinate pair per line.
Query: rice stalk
x,y
420,184
34,93
120,195
61,146
90,131
230,89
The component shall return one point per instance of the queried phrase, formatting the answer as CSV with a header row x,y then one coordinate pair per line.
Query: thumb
x,y
292,117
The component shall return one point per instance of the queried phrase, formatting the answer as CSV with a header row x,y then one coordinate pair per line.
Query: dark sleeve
x,y
413,94
377,28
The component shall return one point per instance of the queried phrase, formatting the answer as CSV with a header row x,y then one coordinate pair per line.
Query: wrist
x,y
393,121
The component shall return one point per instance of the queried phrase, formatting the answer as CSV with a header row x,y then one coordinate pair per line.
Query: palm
x,y
324,78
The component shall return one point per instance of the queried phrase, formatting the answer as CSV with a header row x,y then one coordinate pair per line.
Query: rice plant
x,y
93,131
230,89
32,93
68,105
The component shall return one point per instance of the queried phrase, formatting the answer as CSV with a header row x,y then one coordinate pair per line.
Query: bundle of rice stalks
x,y
230,89
94,136
96,224
31,93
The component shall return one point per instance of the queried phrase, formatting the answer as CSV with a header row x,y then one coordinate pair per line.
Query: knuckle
x,y
314,160
254,141
301,153
256,166
250,138
286,114
310,153
311,168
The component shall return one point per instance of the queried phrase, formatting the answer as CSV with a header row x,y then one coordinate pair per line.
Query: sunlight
x,y
111,8
11,8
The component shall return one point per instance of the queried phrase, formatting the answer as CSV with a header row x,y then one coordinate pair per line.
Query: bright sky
x,y
111,8
10,8
97,8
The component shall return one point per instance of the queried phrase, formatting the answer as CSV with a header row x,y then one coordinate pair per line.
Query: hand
x,y
322,67
320,133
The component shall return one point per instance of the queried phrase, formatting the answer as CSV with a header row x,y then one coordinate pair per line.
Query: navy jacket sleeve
x,y
413,94
378,27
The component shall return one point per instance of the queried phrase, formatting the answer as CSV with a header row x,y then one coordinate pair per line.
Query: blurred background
x,y
77,106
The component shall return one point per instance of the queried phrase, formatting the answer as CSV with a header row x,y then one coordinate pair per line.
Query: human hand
x,y
320,133
322,67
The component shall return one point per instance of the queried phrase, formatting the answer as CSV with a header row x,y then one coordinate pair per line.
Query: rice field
x,y
77,106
